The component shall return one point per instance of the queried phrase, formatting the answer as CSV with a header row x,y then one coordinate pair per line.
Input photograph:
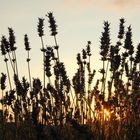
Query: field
x,y
58,108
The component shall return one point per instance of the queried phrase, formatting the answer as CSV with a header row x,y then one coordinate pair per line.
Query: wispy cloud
x,y
123,4
104,4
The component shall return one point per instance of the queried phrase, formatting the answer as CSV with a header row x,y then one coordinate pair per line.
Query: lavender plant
x,y
58,106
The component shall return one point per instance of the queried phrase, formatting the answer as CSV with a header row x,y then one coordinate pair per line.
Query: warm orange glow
x,y
106,114
118,117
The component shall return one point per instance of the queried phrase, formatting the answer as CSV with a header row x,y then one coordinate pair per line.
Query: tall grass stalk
x,y
68,109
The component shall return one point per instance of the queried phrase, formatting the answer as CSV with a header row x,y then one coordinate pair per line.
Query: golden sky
x,y
78,21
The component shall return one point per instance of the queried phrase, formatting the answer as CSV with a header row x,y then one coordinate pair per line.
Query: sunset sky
x,y
78,22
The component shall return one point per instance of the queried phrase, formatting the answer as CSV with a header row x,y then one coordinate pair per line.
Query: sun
x,y
107,114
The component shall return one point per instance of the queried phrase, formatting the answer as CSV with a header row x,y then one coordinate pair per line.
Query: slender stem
x,y
84,108
16,63
13,58
3,118
106,72
11,62
131,65
89,76
2,104
49,79
89,89
56,49
8,74
131,69
73,98
112,79
89,107
43,61
103,79
29,70
59,80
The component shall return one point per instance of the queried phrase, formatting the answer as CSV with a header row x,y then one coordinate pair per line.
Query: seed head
x,y
52,22
88,48
2,81
105,40
79,61
115,62
12,39
3,49
19,87
128,41
84,54
65,79
6,44
37,86
137,57
126,69
11,97
26,43
47,61
121,30
40,26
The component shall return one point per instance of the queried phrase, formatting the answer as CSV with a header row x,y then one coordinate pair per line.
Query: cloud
x,y
122,5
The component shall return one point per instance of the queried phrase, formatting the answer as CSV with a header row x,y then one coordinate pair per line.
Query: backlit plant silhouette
x,y
58,107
